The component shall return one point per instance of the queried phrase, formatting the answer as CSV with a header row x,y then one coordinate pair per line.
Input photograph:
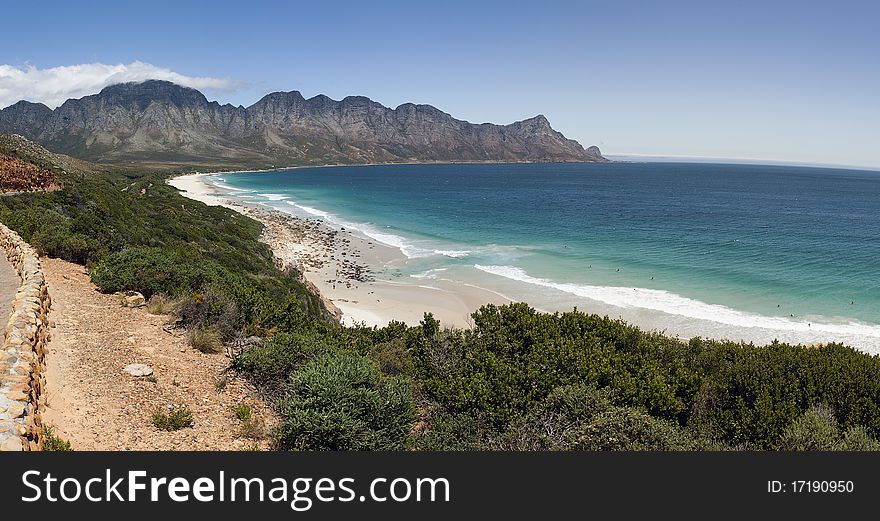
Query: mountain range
x,y
158,122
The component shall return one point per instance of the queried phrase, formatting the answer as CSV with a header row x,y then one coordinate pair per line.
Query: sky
x,y
769,80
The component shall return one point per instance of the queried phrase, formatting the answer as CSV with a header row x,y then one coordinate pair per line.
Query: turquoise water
x,y
789,250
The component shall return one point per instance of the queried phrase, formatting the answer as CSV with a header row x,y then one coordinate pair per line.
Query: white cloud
x,y
55,85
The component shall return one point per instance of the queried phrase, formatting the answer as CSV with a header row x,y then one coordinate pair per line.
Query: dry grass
x,y
161,305
206,340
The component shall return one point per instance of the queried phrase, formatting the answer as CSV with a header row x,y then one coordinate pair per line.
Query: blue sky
x,y
777,80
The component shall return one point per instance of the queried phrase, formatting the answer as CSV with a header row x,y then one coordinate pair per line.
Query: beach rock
x,y
138,370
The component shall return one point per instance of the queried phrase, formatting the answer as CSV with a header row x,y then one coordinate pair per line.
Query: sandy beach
x,y
355,275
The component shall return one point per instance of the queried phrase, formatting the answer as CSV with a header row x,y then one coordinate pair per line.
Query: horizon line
x,y
684,158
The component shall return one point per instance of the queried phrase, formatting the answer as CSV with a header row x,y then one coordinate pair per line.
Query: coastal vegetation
x,y
518,379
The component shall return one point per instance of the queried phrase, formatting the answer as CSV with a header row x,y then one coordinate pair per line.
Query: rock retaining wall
x,y
23,350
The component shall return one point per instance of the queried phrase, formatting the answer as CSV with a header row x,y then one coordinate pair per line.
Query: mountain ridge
x,y
162,122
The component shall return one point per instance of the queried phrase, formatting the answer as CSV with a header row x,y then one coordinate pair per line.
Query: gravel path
x,y
9,283
95,405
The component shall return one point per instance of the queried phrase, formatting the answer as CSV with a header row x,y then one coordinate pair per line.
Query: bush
x,y
856,438
627,428
174,418
271,363
469,431
242,411
392,358
340,401
551,425
153,270
514,357
751,395
50,442
818,429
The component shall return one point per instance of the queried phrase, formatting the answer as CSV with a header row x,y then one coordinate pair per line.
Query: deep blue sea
x,y
712,249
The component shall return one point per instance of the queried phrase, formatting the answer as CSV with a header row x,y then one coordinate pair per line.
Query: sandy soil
x,y
352,272
95,405
9,283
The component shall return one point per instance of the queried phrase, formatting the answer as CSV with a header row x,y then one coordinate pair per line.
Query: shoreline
x,y
381,296
351,273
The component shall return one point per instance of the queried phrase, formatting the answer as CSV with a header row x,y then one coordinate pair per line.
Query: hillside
x,y
158,122
19,176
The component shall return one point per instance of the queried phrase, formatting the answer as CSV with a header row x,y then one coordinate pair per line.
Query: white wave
x,y
275,197
224,186
410,250
671,303
429,274
310,210
455,254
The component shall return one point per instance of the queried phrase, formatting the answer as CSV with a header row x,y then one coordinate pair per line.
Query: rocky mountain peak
x,y
160,121
145,92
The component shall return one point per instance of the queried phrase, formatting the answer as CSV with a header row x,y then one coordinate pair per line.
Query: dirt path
x,y
9,283
95,405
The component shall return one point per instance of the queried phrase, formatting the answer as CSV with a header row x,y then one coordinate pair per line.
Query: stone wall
x,y
23,350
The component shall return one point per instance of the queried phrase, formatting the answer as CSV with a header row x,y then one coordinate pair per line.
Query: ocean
x,y
745,252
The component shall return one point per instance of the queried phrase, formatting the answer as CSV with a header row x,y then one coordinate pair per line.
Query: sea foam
x,y
674,304
274,197
389,239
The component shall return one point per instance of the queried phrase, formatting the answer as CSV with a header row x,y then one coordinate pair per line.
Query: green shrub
x,y
252,426
818,430
242,411
514,357
627,428
751,394
174,418
550,426
466,431
271,363
340,401
153,270
392,358
856,438
50,442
